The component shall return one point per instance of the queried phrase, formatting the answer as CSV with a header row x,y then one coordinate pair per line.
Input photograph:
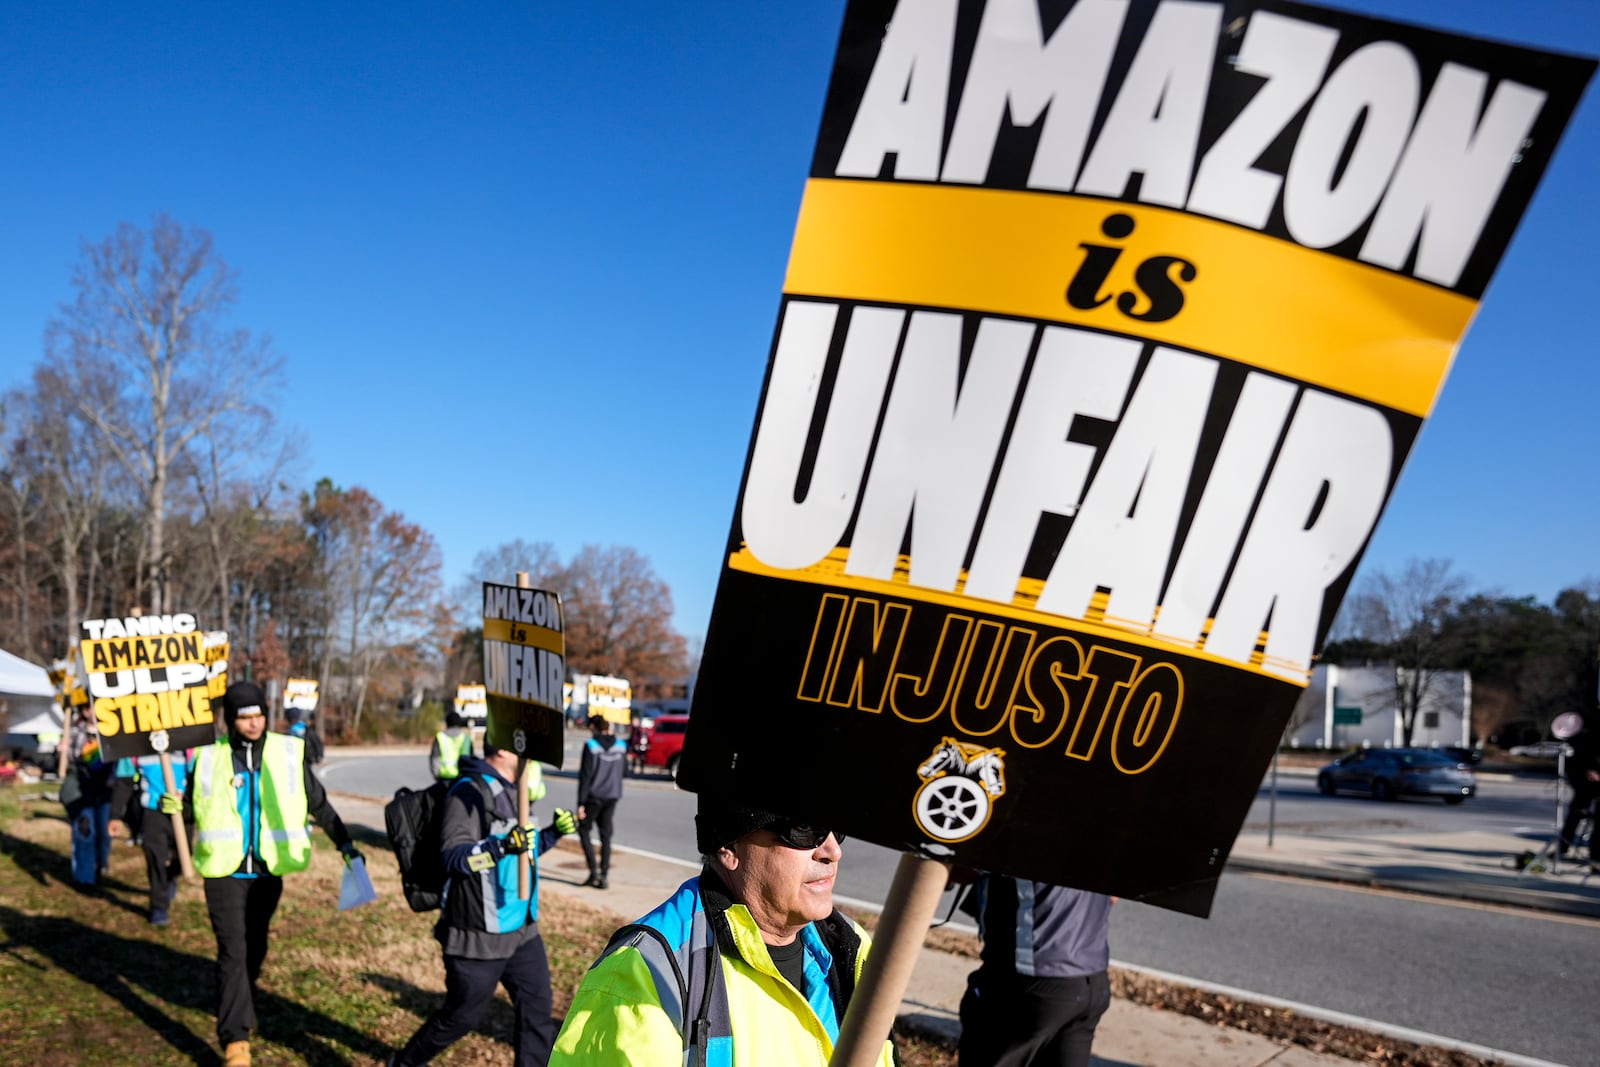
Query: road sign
x,y
1346,716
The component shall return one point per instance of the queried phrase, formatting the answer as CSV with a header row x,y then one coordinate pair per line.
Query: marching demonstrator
x,y
251,794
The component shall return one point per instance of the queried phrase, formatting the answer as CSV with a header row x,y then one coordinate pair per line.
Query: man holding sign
x,y
489,934
251,793
748,963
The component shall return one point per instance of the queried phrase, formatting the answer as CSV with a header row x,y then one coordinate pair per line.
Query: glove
x,y
350,853
564,823
518,840
171,804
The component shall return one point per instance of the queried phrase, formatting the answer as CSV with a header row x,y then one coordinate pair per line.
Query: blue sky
x,y
523,260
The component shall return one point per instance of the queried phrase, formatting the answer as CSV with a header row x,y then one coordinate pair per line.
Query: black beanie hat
x,y
720,821
241,695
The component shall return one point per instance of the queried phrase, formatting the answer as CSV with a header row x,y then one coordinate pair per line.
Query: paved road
x,y
1517,981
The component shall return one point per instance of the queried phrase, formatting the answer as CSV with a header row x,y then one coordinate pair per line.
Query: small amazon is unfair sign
x,y
524,668
151,682
1106,331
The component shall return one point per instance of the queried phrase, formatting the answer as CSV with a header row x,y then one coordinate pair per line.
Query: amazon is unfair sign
x,y
1103,341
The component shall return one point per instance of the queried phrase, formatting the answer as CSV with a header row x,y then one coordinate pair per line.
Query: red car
x,y
665,741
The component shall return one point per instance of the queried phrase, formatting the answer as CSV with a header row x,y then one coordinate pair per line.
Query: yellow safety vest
x,y
284,838
451,749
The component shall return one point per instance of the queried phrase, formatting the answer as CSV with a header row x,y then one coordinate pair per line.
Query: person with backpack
x,y
489,936
156,835
252,794
600,774
300,727
86,793
450,746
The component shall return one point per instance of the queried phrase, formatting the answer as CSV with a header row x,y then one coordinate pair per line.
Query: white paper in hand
x,y
356,889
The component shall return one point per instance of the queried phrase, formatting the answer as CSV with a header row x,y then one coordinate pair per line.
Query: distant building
x,y
1346,706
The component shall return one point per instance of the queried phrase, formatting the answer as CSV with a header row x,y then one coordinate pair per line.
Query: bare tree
x,y
146,346
1408,614
378,578
74,478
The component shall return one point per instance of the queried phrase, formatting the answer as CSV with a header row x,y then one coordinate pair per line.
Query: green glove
x,y
171,804
565,822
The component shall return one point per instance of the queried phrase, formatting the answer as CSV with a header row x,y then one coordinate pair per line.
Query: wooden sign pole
x,y
902,928
524,861
179,831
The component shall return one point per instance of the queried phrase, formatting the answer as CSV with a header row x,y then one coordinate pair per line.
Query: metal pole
x,y
1272,802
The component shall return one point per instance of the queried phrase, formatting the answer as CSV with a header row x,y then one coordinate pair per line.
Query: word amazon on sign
x,y
149,681
1107,329
524,669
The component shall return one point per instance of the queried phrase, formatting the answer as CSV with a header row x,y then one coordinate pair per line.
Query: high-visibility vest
x,y
451,749
277,793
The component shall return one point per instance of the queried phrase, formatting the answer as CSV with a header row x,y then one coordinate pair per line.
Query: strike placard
x,y
150,680
1106,332
472,702
524,666
300,694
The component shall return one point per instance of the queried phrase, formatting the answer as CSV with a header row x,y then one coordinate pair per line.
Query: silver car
x,y
1387,773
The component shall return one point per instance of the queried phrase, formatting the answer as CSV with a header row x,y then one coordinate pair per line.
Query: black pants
x,y
1031,1022
597,811
160,858
1583,797
468,989
241,910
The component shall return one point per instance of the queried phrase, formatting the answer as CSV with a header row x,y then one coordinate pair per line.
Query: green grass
x,y
84,977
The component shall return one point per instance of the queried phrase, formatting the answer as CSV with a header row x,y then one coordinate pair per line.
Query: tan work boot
x,y
237,1054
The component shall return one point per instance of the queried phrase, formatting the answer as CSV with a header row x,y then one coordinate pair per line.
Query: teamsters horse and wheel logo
x,y
960,783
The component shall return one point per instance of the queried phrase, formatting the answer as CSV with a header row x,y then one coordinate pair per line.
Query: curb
x,y
1529,899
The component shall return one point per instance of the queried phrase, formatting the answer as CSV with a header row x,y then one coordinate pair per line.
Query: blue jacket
x,y
480,893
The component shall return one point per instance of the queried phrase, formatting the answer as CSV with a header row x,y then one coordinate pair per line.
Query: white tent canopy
x,y
28,696
18,677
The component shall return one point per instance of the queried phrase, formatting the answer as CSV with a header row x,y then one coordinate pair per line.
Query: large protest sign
x,y
1106,332
300,694
150,682
524,666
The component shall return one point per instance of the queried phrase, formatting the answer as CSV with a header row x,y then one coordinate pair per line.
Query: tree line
x,y
1529,661
142,468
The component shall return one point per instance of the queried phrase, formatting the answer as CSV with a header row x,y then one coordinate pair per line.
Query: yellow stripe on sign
x,y
530,636
1255,299
829,571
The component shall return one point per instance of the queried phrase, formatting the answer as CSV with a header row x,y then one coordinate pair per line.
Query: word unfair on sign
x,y
150,682
524,667
1106,331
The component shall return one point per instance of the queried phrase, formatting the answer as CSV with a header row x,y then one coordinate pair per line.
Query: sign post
x,y
180,832
524,863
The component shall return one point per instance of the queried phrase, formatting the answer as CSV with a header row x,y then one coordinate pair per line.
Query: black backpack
x,y
413,820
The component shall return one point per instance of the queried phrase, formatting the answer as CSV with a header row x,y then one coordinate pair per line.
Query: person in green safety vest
x,y
449,746
252,794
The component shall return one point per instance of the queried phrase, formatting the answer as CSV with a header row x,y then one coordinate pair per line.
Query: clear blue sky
x,y
523,258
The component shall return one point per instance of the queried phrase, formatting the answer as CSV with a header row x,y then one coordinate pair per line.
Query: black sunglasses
x,y
801,835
